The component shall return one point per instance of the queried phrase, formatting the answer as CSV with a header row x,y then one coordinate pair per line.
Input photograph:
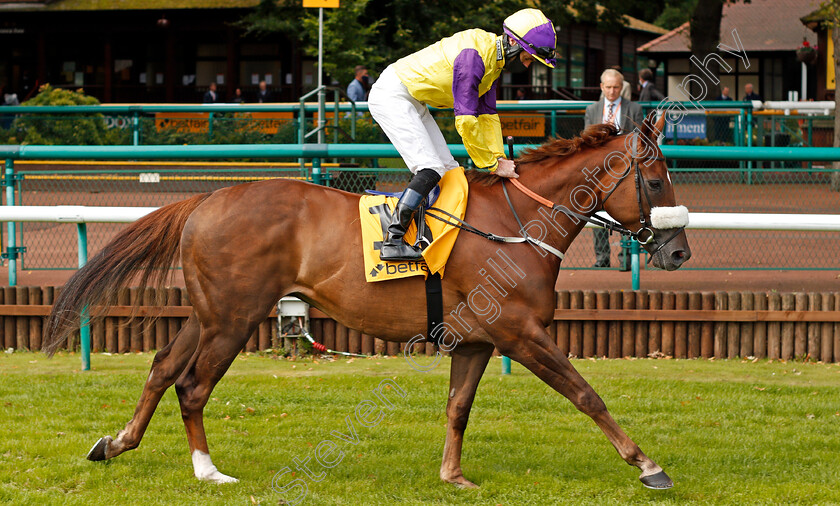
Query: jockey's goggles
x,y
544,52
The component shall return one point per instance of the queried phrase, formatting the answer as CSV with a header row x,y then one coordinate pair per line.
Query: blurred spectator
x,y
358,89
749,94
263,94
724,94
237,97
521,94
647,91
211,97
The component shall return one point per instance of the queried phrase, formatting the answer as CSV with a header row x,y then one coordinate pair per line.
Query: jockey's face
x,y
526,59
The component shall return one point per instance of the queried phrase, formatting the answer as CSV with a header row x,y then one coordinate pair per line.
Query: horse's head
x,y
644,201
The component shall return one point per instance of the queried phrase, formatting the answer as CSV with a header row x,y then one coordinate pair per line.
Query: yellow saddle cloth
x,y
375,214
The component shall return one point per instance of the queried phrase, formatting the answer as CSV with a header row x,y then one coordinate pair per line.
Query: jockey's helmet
x,y
534,33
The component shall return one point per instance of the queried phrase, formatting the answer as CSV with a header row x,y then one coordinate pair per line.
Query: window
x,y
772,72
577,67
559,75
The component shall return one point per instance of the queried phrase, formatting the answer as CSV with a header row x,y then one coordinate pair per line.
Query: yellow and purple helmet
x,y
535,33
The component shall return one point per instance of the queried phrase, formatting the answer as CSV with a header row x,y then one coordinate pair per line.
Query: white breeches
x,y
409,125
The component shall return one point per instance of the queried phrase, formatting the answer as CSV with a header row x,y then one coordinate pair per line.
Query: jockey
x,y
459,72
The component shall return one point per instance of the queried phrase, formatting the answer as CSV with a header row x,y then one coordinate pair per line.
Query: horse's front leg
x,y
468,364
535,349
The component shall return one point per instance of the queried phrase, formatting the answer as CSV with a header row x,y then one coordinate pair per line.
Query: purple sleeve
x,y
487,102
468,70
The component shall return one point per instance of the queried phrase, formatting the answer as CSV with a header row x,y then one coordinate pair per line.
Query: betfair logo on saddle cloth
x,y
375,215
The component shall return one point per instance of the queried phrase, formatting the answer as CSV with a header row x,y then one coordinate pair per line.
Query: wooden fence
x,y
586,324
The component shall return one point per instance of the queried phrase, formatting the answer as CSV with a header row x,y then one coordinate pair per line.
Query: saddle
x,y
436,238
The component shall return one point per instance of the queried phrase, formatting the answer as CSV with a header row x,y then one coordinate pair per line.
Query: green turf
x,y
727,432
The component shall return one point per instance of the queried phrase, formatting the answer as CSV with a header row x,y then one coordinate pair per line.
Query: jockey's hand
x,y
507,168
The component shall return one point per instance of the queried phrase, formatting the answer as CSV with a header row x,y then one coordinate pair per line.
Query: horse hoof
x,y
218,478
461,482
658,481
98,451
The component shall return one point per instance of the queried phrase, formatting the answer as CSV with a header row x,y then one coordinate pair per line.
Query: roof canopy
x,y
762,25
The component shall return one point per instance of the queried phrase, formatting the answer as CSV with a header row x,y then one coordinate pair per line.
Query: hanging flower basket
x,y
807,54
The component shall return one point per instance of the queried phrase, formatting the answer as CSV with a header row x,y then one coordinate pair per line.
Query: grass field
x,y
727,432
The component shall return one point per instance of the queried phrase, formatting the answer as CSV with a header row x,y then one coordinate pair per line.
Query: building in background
x,y
824,63
583,52
770,32
136,51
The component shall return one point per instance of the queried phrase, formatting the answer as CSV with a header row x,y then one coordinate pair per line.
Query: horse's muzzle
x,y
672,256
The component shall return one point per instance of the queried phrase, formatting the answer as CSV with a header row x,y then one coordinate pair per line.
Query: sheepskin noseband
x,y
669,217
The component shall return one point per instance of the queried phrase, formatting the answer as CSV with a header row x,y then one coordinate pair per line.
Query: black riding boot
x,y
394,248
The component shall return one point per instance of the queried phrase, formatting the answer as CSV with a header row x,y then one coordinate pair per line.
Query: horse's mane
x,y
592,136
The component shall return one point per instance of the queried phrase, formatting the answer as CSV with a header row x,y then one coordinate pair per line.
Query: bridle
x,y
609,224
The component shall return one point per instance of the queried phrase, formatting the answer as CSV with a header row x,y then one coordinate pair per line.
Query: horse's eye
x,y
655,185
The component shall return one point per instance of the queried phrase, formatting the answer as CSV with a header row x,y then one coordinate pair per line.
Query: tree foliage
x,y
83,130
378,32
350,35
675,13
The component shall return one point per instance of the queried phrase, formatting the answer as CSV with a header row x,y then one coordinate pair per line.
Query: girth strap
x,y
434,307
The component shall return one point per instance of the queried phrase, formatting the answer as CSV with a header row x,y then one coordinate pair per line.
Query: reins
x,y
609,224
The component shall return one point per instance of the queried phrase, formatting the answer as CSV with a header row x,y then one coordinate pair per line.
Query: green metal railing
x,y
802,190
701,173
32,152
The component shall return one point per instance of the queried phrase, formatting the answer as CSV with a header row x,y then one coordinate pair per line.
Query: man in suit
x,y
263,94
211,97
749,94
625,115
724,94
626,91
647,91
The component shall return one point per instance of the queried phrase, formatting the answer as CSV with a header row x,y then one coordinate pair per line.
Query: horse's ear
x,y
660,124
651,127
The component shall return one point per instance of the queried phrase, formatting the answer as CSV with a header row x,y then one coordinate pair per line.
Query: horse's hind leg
x,y
210,363
468,364
536,351
166,367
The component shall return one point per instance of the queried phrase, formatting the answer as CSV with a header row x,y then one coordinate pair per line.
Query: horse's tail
x,y
149,247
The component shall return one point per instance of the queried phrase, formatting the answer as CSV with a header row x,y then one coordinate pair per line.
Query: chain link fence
x,y
701,185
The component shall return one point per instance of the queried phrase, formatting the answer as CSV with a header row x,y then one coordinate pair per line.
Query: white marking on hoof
x,y
206,471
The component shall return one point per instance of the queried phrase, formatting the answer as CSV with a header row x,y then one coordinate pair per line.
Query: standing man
x,y
625,115
626,91
263,95
462,72
749,94
358,88
647,91
724,94
211,97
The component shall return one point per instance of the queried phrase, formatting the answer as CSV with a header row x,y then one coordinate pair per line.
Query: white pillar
x,y
804,95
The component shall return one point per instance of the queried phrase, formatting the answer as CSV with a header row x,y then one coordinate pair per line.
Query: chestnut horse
x,y
244,247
